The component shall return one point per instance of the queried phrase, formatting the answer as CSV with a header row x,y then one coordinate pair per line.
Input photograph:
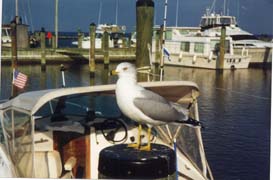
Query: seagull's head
x,y
125,70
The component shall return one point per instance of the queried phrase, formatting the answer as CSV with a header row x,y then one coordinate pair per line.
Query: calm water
x,y
234,106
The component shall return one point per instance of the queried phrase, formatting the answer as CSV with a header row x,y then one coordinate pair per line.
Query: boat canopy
x,y
31,102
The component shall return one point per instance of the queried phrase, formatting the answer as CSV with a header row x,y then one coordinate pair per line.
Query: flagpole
x,y
14,53
56,21
163,41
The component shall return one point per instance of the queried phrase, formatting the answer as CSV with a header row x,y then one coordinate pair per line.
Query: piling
x,y
124,42
80,39
222,48
144,30
54,42
106,49
158,46
43,52
92,33
14,58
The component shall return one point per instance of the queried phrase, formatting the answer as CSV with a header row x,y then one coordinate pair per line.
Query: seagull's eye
x,y
125,68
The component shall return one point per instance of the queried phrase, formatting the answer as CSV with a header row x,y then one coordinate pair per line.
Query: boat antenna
x,y
212,7
100,8
163,40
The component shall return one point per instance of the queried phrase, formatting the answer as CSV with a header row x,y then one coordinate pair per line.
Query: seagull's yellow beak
x,y
113,72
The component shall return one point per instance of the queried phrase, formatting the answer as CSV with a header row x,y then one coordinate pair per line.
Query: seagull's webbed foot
x,y
146,148
134,145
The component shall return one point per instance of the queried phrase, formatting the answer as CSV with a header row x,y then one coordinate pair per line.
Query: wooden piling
x,y
43,52
158,46
80,39
106,49
54,42
124,42
144,30
92,33
14,58
222,48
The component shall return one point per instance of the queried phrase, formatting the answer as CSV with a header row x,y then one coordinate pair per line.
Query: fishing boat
x,y
60,133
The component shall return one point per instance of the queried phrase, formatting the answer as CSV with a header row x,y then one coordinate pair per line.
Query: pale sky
x,y
255,16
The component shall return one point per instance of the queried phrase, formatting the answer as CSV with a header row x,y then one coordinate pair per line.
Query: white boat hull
x,y
230,61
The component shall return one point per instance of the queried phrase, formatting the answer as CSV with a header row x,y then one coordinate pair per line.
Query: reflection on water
x,y
234,106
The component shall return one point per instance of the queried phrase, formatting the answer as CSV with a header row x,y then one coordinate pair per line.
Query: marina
x,y
148,102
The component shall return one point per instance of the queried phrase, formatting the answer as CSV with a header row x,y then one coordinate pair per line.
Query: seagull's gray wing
x,y
157,110
151,95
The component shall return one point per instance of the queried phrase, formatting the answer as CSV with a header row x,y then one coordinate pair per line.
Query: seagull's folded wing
x,y
157,110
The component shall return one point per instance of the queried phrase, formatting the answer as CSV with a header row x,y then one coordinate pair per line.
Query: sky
x,y
255,16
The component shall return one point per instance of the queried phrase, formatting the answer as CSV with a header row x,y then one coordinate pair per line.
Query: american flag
x,y
19,79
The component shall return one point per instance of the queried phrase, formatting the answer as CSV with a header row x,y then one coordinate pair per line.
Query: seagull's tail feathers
x,y
191,122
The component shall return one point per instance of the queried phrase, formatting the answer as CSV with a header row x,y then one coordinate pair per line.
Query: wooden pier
x,y
67,55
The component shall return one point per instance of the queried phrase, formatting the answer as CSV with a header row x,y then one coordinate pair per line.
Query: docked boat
x,y
243,41
61,133
6,35
115,38
200,50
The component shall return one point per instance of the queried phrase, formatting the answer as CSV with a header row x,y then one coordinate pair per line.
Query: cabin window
x,y
168,35
185,46
199,47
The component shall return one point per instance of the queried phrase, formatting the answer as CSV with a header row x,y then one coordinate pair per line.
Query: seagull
x,y
145,106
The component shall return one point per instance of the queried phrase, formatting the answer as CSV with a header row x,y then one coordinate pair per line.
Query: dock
x,y
67,55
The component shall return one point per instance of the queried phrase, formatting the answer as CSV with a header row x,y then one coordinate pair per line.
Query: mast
x,y
176,17
16,8
116,12
224,7
163,40
56,21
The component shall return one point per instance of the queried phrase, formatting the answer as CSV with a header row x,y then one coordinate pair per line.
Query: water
x,y
234,106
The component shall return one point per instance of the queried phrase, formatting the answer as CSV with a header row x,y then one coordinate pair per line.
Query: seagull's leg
x,y
148,146
137,145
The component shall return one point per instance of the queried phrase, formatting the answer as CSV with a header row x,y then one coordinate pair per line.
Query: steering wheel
x,y
110,129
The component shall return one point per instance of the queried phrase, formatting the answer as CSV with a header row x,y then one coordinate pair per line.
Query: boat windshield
x,y
84,108
17,126
225,20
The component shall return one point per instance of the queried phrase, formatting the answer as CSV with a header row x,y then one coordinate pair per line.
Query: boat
x,y
60,133
241,38
115,37
190,48
243,41
6,35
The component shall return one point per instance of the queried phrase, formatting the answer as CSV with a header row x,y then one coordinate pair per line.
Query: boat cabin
x,y
215,20
60,133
